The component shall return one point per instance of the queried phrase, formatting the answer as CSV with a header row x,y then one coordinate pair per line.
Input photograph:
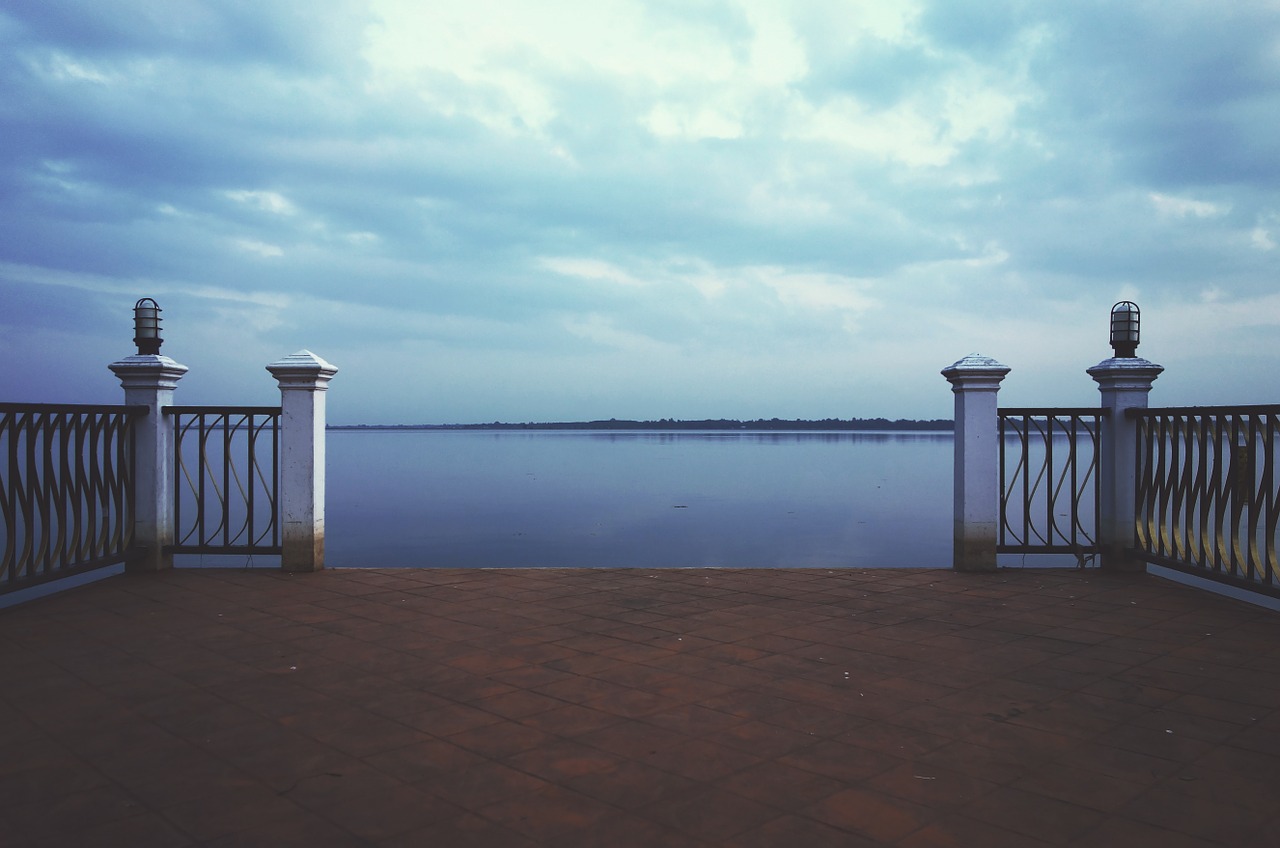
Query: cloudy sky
x,y
501,210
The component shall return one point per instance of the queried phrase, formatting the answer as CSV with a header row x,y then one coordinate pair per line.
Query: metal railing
x,y
67,493
226,479
1049,481
1207,499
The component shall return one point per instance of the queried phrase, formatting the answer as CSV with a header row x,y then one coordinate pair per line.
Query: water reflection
x,y
667,436
638,498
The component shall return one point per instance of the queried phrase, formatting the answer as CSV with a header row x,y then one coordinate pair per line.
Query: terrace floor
x,y
639,708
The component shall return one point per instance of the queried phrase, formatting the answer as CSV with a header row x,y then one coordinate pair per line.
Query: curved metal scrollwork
x,y
1049,481
67,493
226,468
1207,496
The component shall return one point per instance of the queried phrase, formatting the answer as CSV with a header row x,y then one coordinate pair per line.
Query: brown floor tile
x,y
432,759
627,830
354,731
871,815
990,764
956,830
931,786
549,814
784,787
761,739
1148,737
701,760
570,720
500,740
638,707
1171,805
451,719
799,830
693,719
560,759
279,759
191,781
298,827
1085,787
143,831
1126,833
904,742
710,813
229,811
627,702
1033,815
633,739
387,812
467,831
34,780
841,761
481,784
630,785
66,816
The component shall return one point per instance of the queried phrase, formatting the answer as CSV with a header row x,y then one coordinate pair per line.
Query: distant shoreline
x,y
757,425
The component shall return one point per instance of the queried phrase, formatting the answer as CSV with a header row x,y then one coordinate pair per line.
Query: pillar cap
x,y
976,365
148,370
1133,371
302,368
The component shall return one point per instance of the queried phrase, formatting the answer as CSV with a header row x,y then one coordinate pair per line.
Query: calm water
x,y
593,499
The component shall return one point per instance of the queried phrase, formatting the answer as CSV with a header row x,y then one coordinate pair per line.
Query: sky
x,y
494,210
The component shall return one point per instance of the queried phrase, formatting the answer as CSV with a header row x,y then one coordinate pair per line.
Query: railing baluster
x,y
1056,483
66,497
252,435
226,484
1212,491
1270,445
1200,517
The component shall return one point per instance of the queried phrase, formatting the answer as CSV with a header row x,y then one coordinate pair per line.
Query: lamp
x,y
1125,319
146,326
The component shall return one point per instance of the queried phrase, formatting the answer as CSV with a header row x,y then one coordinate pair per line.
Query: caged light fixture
x,y
146,326
1125,320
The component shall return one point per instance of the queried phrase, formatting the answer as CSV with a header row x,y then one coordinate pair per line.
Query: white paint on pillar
x,y
975,380
303,378
149,380
1125,383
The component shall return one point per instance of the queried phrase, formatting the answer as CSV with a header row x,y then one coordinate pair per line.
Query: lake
x,y
466,498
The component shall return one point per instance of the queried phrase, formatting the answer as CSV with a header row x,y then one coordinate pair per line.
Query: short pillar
x,y
304,379
975,380
149,380
1124,383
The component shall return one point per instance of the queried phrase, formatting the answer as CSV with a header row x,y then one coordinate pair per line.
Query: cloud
x,y
267,201
591,269
285,32
1181,207
258,248
641,194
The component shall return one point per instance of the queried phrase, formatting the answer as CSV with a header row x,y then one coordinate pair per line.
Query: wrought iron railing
x,y
1207,499
67,493
226,479
1049,481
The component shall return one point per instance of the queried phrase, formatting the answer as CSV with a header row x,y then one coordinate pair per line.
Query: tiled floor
x,y
673,708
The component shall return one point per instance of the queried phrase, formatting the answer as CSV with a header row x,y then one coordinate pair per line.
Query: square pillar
x,y
149,380
1124,383
303,378
975,380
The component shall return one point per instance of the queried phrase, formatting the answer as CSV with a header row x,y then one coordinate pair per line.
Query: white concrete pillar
x,y
1124,383
975,380
149,380
304,379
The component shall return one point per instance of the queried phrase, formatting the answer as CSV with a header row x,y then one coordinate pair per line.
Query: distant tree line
x,y
897,424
